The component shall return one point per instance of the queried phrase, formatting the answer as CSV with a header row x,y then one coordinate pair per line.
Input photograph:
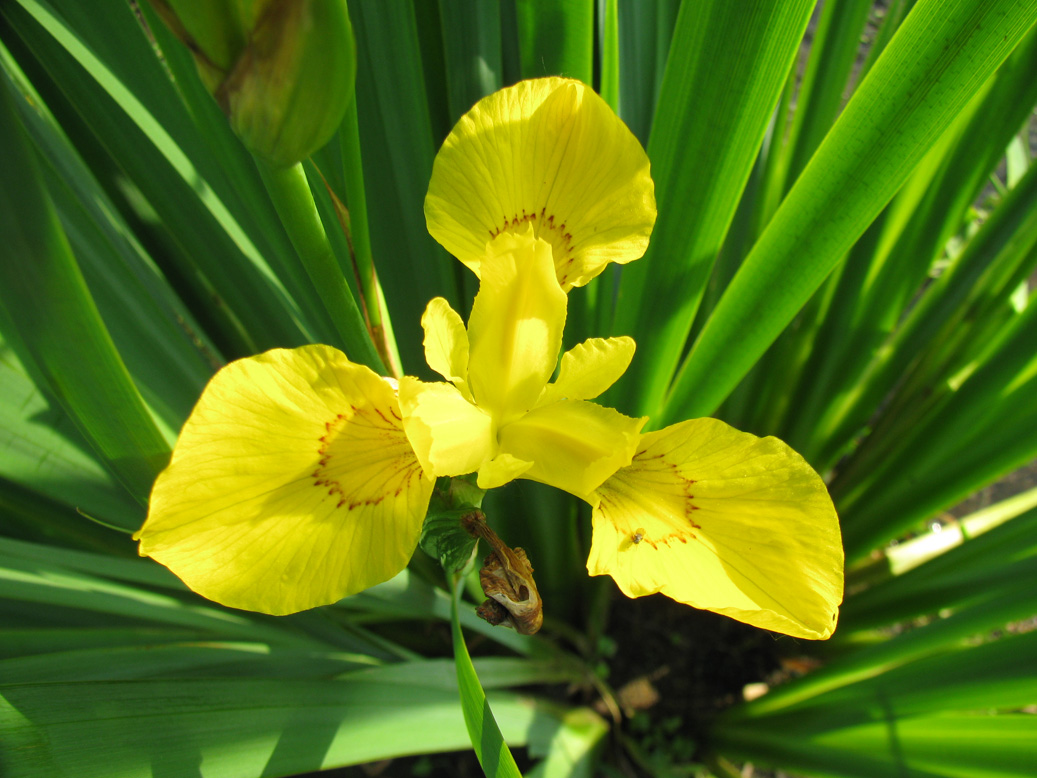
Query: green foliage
x,y
830,265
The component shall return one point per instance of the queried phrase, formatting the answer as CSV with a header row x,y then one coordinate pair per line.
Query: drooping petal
x,y
574,445
725,521
292,485
515,330
500,470
446,343
590,368
450,436
551,153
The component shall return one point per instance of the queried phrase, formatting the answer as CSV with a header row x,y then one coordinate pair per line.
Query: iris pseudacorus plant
x,y
301,478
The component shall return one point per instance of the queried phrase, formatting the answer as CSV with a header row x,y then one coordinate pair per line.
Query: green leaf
x,y
938,59
700,168
976,570
46,298
42,450
154,143
936,746
556,38
977,431
915,649
164,348
645,30
398,146
926,213
485,735
237,727
979,280
290,193
472,50
232,172
443,538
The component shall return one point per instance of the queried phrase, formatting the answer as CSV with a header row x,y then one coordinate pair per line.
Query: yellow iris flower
x,y
301,477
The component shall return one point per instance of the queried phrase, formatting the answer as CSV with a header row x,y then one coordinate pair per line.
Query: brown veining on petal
x,y
364,457
663,493
548,228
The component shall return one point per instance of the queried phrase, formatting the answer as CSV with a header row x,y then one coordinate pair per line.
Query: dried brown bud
x,y
507,579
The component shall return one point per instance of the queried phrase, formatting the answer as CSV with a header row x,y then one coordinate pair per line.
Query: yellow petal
x,y
590,368
292,485
725,521
450,435
446,342
551,153
574,445
515,330
500,470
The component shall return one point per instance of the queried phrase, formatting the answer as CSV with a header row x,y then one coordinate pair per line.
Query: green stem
x,y
294,203
487,742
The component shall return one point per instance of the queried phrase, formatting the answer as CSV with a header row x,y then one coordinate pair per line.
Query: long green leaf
x,y
936,746
1013,601
230,169
205,244
975,570
46,298
290,192
43,450
700,168
645,30
980,278
397,146
930,209
164,348
941,54
227,728
978,432
485,735
472,50
556,38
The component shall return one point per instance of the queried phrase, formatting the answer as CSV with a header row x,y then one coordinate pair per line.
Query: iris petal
x,y
590,368
551,153
450,436
292,485
574,445
515,330
500,470
446,343
725,521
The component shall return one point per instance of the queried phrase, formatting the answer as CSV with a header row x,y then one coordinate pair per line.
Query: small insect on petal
x,y
638,536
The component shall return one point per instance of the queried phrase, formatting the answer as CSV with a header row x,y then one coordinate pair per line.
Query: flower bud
x,y
282,70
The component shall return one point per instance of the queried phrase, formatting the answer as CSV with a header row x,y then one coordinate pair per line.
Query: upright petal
x,y
446,342
574,445
551,153
589,368
292,485
450,436
515,330
725,521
